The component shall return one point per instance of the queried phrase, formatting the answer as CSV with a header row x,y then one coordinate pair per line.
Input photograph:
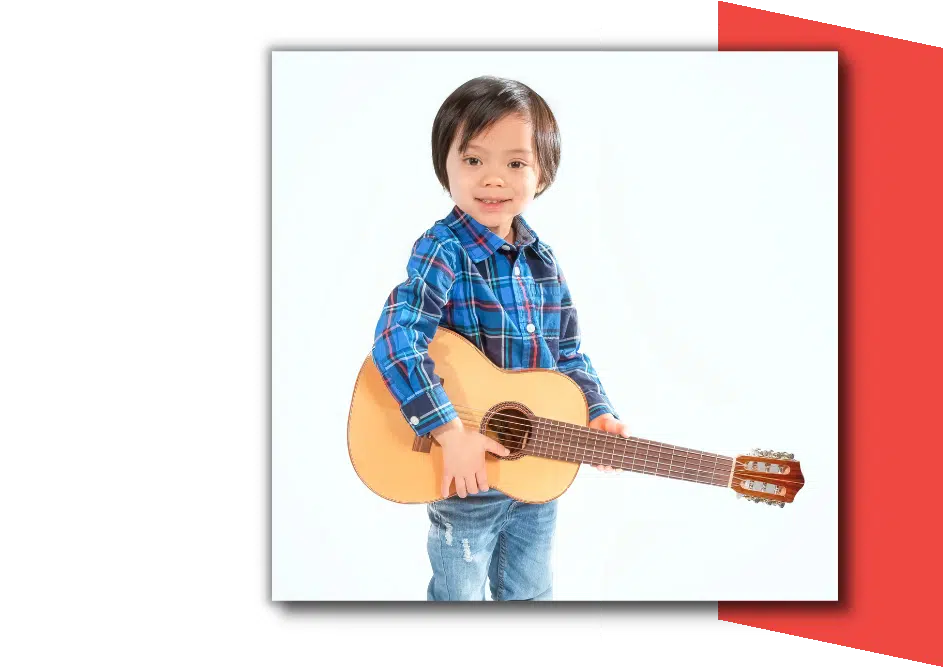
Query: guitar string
x,y
617,453
675,465
640,460
620,442
618,448
683,455
713,475
572,429
719,478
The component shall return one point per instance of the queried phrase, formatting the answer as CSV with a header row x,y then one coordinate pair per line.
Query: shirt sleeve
x,y
408,322
575,363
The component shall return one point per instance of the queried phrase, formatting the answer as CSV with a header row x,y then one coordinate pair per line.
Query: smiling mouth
x,y
492,201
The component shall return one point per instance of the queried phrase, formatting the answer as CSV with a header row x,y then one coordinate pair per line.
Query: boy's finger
x,y
460,487
446,481
496,447
618,427
471,484
482,477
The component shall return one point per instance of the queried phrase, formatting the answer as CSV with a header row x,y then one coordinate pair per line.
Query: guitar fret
x,y
578,444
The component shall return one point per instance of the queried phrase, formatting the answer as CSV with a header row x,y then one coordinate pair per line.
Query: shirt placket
x,y
526,315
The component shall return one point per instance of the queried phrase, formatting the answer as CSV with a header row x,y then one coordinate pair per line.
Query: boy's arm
x,y
407,323
575,363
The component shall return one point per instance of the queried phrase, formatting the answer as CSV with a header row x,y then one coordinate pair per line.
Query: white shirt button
x,y
414,420
530,328
505,247
517,270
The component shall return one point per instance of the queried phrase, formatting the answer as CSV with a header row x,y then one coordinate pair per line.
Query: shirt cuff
x,y
600,409
428,410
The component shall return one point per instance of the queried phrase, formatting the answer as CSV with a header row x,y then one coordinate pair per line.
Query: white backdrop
x,y
695,215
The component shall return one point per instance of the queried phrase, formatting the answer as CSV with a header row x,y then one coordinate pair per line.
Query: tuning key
x,y
770,454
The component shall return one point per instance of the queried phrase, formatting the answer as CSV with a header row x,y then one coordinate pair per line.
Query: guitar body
x,y
398,466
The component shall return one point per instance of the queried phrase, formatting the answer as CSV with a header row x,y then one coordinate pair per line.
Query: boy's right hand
x,y
463,457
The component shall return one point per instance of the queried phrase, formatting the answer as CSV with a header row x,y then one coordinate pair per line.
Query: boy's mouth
x,y
491,202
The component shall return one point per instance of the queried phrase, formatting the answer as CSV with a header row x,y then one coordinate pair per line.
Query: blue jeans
x,y
489,535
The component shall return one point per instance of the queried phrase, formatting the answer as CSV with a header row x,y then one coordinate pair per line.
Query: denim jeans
x,y
490,536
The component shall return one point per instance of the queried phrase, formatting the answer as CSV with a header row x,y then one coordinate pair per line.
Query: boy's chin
x,y
506,211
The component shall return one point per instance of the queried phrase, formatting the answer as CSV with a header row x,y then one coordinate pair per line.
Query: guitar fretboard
x,y
580,444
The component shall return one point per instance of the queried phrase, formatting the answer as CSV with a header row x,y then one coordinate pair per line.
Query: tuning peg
x,y
788,456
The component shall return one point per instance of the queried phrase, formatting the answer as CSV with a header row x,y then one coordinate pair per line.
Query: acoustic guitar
x,y
541,416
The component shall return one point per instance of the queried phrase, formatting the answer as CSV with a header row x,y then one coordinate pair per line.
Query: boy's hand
x,y
463,457
606,422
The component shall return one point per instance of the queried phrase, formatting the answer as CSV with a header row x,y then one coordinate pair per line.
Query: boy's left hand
x,y
606,422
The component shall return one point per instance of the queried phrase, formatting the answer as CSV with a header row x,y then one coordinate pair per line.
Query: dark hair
x,y
478,104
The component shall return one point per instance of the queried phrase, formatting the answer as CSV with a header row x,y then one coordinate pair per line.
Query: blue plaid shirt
x,y
512,302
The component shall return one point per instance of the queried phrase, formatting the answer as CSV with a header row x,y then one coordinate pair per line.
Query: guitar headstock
x,y
765,476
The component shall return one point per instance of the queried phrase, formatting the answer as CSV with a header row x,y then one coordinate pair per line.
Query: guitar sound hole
x,y
510,426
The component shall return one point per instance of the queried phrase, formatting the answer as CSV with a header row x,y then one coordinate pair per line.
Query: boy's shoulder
x,y
439,233
442,232
438,240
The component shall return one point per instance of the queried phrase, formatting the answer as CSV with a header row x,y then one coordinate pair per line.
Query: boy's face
x,y
498,164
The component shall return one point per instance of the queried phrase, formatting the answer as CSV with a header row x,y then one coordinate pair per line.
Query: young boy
x,y
483,273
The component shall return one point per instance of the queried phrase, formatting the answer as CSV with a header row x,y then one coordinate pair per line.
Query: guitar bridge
x,y
422,443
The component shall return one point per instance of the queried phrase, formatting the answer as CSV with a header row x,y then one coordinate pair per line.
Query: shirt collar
x,y
479,241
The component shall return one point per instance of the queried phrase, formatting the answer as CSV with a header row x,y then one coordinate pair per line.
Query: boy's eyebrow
x,y
513,150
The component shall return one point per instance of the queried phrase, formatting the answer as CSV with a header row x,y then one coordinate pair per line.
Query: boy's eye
x,y
513,162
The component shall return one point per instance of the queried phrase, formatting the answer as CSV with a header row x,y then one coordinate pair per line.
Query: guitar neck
x,y
568,442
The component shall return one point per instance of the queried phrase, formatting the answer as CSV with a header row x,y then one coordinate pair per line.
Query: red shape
x,y
890,338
